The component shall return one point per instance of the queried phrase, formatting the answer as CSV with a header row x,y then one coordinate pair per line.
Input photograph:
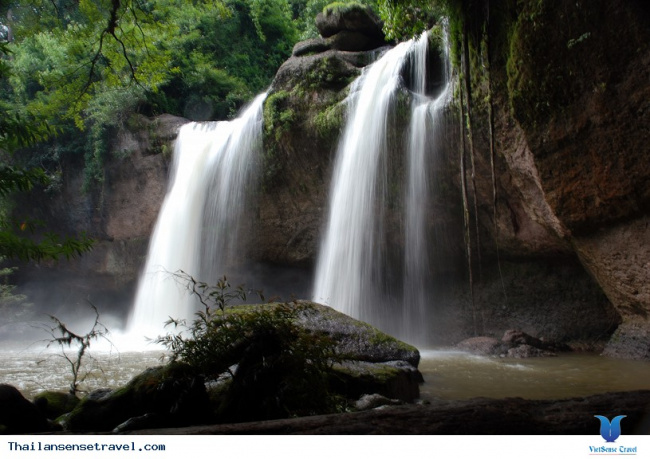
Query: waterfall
x,y
350,255
200,218
424,132
355,272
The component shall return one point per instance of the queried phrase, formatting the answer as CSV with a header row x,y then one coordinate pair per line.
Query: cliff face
x,y
119,215
585,117
563,251
568,232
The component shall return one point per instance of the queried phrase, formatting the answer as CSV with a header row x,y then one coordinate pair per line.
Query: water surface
x,y
448,375
458,375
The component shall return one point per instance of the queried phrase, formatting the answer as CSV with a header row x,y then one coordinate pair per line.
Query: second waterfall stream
x,y
356,273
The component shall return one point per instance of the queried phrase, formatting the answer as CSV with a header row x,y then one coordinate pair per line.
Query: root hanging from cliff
x,y
490,108
466,224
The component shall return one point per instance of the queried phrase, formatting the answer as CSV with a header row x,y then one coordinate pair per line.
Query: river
x,y
448,374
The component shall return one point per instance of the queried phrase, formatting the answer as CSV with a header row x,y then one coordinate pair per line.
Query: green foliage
x,y
406,19
342,7
14,240
278,118
88,66
281,369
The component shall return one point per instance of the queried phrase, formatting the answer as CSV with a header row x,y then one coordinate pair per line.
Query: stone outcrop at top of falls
x,y
355,29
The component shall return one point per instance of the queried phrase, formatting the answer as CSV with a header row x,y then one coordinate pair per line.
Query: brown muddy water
x,y
454,375
448,374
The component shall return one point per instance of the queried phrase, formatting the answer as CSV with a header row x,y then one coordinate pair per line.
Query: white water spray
x,y
199,221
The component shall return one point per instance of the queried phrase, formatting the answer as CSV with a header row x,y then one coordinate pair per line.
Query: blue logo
x,y
610,431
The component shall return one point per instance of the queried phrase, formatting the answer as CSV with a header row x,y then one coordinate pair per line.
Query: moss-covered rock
x,y
366,360
396,380
356,340
174,392
54,404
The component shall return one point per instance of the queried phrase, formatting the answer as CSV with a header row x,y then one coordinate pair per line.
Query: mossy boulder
x,y
173,392
54,404
367,360
395,380
356,340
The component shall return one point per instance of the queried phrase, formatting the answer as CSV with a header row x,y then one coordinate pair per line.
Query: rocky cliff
x,y
578,84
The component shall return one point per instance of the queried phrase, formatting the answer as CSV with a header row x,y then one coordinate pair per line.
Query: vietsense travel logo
x,y
610,431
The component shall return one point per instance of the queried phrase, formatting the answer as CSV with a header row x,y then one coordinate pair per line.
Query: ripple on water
x,y
452,374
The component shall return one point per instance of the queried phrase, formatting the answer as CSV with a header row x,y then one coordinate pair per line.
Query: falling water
x,y
352,273
201,216
426,120
349,256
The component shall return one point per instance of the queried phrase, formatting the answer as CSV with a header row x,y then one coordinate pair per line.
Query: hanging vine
x,y
463,183
487,60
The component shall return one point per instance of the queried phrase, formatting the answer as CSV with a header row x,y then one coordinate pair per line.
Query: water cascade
x,y
355,271
201,217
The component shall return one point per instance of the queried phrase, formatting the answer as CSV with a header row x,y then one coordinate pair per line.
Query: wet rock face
x,y
586,126
304,115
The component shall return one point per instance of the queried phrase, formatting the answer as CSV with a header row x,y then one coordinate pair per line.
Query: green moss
x,y
53,404
547,74
377,373
343,7
328,73
329,122
278,116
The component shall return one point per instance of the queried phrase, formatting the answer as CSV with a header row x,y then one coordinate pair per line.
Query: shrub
x,y
275,368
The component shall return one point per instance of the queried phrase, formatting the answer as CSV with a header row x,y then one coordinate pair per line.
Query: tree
x,y
15,132
68,340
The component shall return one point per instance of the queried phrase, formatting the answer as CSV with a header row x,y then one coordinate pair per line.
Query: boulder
x,y
18,415
353,18
356,340
311,46
372,401
348,40
174,393
350,28
514,344
366,360
518,337
54,404
397,379
524,351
